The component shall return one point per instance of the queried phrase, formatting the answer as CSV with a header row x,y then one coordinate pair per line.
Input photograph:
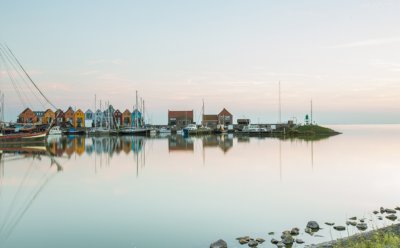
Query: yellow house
x,y
78,119
48,116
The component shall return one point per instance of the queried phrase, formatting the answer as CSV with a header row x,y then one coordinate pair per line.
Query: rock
x,y
295,231
219,244
313,225
380,218
376,212
274,241
244,237
280,244
260,240
382,210
353,223
391,217
309,231
287,239
271,233
353,218
362,226
339,228
329,223
397,208
252,243
390,211
299,241
362,220
243,241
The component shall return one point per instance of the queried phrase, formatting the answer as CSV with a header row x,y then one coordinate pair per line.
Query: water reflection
x,y
21,186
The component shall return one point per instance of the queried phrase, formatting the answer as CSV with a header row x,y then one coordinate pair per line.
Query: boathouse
x,y
180,118
59,115
127,118
118,118
27,116
137,118
99,116
39,116
210,120
48,116
69,116
89,118
78,119
225,117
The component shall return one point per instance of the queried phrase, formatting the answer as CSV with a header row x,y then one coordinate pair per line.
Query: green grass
x,y
378,240
311,131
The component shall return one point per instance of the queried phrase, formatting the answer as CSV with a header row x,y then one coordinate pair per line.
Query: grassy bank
x,y
311,131
386,237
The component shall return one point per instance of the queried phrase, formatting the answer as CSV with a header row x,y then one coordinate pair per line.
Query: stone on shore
x,y
362,226
339,228
329,223
376,212
390,211
274,241
391,217
299,241
287,239
243,241
260,240
353,218
353,223
295,231
313,225
252,243
219,244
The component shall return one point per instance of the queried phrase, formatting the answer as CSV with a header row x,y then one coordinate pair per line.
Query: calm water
x,y
176,192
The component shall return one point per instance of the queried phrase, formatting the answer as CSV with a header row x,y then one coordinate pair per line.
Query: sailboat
x,y
138,127
21,133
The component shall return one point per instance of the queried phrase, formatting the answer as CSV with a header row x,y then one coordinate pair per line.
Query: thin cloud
x,y
369,42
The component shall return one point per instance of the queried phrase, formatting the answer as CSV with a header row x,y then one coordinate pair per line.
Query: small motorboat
x,y
56,130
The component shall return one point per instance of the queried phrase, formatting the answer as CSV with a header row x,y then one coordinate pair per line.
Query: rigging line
x,y
12,80
20,75
13,72
28,206
30,195
30,79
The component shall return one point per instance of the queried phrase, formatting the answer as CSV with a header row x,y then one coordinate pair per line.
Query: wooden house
x,y
180,118
69,116
48,116
27,116
225,117
89,118
78,119
127,118
118,118
59,116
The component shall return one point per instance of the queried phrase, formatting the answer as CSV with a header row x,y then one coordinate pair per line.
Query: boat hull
x,y
23,138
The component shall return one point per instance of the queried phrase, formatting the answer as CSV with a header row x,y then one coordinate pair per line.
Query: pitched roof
x,y
224,112
175,114
210,117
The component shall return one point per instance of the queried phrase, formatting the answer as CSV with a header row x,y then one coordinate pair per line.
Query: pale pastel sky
x,y
344,55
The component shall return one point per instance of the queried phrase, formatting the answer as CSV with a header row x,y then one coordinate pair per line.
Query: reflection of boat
x,y
189,128
56,130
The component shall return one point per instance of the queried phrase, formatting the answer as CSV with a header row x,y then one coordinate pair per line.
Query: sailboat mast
x,y
311,116
143,114
136,110
202,115
280,106
95,112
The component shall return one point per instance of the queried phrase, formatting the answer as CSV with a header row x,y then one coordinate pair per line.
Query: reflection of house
x,y
89,118
223,142
99,118
69,116
180,118
178,143
79,144
48,116
27,116
127,118
78,119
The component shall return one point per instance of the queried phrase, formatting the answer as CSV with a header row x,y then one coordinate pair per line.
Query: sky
x,y
342,55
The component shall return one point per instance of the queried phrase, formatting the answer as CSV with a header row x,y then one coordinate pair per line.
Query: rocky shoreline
x,y
289,238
